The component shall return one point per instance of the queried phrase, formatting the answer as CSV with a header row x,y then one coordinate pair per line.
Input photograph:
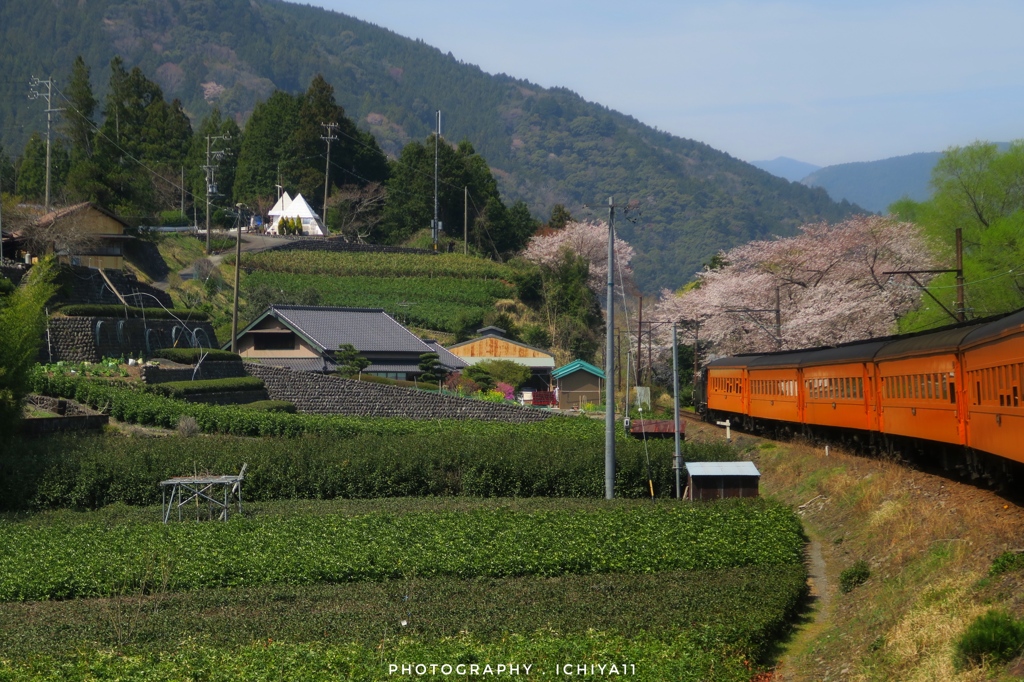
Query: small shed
x,y
578,383
716,480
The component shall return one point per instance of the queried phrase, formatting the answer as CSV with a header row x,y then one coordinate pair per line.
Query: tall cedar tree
x,y
492,228
284,135
32,169
143,138
84,181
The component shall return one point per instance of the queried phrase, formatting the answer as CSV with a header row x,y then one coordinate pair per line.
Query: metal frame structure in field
x,y
186,489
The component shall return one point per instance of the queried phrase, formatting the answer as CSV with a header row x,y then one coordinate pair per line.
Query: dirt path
x,y
816,620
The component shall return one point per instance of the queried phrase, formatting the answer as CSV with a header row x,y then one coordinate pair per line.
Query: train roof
x,y
945,340
1014,322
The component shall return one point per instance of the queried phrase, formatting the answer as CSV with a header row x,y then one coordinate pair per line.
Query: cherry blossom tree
x,y
830,282
586,239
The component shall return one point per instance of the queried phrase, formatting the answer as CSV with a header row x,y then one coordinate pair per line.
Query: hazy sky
x,y
820,81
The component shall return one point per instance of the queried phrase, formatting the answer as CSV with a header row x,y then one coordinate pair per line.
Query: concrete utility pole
x,y
50,111
211,186
465,221
328,135
609,364
435,225
675,392
961,312
238,268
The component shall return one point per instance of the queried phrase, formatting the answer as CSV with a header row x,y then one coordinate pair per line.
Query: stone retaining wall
x,y
72,417
321,394
89,339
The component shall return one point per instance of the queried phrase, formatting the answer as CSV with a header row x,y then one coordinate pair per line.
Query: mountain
x,y
876,184
545,146
787,168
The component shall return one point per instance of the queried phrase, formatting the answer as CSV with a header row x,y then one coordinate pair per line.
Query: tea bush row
x,y
682,660
742,608
376,264
431,302
481,459
63,561
177,389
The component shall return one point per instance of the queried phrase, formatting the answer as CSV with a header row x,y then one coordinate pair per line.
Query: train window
x,y
979,393
952,392
945,387
1016,398
860,387
931,384
1001,372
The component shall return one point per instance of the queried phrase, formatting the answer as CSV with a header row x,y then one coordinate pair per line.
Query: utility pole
x,y
609,364
1,213
639,343
183,193
329,135
696,364
211,186
675,412
435,225
465,221
961,312
238,268
48,95
778,318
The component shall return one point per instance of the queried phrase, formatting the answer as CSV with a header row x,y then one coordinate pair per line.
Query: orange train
x,y
953,393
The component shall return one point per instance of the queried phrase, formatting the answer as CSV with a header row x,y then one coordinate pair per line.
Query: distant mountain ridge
x,y
787,168
877,184
545,146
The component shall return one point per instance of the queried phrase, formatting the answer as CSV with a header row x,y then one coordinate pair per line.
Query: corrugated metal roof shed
x,y
722,469
368,329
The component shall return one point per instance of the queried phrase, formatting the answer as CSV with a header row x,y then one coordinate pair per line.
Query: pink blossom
x,y
830,281
589,240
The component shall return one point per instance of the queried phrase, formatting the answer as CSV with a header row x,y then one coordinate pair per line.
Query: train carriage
x,y
726,381
775,387
920,378
838,386
993,366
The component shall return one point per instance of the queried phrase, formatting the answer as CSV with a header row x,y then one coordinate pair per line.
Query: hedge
x,y
270,406
479,459
111,310
183,388
190,356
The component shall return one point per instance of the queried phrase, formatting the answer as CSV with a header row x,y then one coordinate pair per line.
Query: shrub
x,y
270,406
1006,563
190,356
854,576
182,388
995,636
187,426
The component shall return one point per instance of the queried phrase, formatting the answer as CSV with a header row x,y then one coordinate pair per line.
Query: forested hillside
x,y
545,146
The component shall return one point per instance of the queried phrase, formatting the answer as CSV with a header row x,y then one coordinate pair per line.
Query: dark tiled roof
x,y
368,329
447,358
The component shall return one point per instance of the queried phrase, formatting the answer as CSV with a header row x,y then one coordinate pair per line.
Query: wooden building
x,y
578,384
85,234
492,345
717,480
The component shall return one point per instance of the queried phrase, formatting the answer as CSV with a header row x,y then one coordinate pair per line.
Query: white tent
x,y
286,207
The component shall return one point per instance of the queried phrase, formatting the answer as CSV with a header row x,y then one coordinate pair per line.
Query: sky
x,y
820,81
